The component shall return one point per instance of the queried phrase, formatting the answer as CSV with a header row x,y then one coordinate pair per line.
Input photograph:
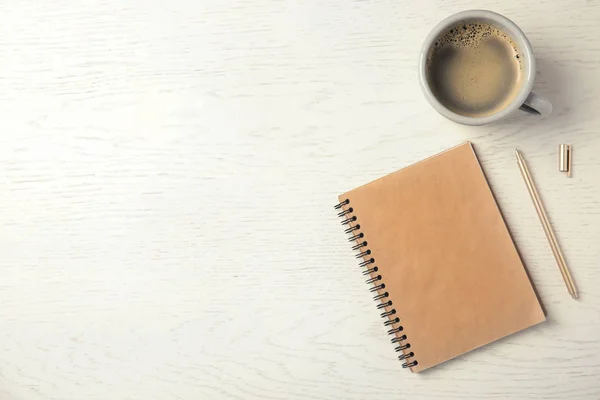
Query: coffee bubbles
x,y
474,69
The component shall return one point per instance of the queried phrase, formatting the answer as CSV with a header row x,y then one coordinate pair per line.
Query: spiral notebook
x,y
439,259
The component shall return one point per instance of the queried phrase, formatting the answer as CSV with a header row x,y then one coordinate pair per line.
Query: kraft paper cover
x,y
445,255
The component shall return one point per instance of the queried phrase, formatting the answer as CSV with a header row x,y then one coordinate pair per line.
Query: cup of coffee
x,y
477,67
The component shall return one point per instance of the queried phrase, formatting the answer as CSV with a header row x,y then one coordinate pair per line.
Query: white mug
x,y
525,99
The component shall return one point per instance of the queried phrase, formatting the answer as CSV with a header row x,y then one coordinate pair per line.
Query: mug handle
x,y
536,104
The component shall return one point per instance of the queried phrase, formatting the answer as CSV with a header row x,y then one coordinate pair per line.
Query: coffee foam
x,y
474,69
471,35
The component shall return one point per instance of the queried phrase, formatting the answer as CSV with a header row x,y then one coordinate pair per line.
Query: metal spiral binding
x,y
376,281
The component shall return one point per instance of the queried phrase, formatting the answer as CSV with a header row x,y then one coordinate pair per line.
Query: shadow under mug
x,y
525,100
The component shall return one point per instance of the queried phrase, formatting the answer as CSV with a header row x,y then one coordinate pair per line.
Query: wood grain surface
x,y
168,171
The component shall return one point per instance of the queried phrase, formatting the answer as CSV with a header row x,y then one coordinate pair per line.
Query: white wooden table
x,y
168,171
